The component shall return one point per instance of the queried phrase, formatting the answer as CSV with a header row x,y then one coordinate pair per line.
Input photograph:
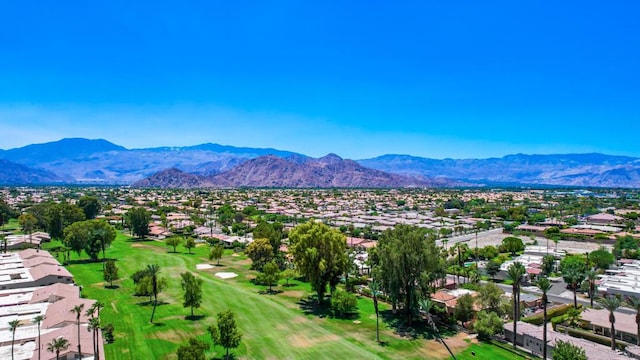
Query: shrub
x,y
343,303
551,313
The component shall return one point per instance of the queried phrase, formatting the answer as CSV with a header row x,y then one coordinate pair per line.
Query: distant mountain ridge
x,y
560,169
84,161
330,171
17,174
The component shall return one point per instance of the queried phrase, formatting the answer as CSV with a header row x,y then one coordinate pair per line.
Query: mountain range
x,y
84,161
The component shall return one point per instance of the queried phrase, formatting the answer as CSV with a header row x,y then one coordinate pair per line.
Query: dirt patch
x,y
302,341
134,245
457,343
115,309
173,336
296,294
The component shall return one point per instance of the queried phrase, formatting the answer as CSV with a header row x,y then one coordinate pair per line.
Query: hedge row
x,y
537,319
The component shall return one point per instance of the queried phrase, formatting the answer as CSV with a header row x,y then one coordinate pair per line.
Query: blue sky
x,y
362,78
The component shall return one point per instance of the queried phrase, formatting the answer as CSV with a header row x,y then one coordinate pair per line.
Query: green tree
x,y
192,288
601,258
271,231
78,311
548,263
6,212
488,324
216,253
573,277
27,223
634,303
564,350
90,205
611,303
492,268
343,303
173,241
153,274
58,344
13,325
260,252
138,220
515,272
92,236
225,333
512,244
94,327
592,277
270,274
490,296
193,350
56,217
464,308
288,274
320,254
110,272
189,244
38,320
406,261
544,285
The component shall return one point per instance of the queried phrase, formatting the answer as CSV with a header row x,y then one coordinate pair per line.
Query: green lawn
x,y
275,326
489,351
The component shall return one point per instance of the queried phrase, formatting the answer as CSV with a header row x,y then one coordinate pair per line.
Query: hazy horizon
x,y
436,80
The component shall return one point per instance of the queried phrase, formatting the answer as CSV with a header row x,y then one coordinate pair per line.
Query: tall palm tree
x,y
515,272
592,276
544,285
94,326
426,305
574,277
13,325
38,320
611,303
78,311
634,302
94,309
152,271
58,344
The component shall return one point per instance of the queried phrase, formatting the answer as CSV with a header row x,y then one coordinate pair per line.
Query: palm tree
x,y
78,311
515,272
94,310
94,326
634,302
611,303
426,305
38,320
152,271
58,344
13,325
544,285
574,277
592,276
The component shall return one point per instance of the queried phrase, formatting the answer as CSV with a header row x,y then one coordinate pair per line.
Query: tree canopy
x,y
138,220
90,205
92,236
260,252
192,288
225,333
320,254
406,262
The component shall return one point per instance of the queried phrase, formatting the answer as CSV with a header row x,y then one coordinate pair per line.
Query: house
x,y
604,218
530,337
598,321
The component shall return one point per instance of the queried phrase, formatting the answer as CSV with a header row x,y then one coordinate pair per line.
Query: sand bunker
x,y
226,275
204,266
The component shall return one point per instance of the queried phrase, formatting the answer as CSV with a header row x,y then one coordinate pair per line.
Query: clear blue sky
x,y
429,78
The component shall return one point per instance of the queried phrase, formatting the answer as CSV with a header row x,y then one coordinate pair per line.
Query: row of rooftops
x,y
47,290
